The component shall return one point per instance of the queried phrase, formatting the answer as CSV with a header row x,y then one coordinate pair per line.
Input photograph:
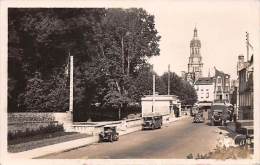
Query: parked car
x,y
109,134
245,136
152,122
194,110
219,114
198,118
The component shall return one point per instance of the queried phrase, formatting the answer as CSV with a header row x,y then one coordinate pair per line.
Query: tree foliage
x,y
181,88
110,48
101,41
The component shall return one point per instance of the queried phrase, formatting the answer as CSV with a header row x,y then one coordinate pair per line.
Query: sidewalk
x,y
55,148
69,145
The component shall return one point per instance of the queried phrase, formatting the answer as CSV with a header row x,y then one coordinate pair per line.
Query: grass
x,y
36,141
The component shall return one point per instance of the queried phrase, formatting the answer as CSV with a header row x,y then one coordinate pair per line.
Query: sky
x,y
221,25
221,28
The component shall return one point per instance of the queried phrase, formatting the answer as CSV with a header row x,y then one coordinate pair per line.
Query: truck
x,y
152,121
219,113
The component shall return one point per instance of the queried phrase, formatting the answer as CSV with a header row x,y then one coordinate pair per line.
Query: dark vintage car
x,y
216,118
245,136
109,134
219,114
198,118
152,122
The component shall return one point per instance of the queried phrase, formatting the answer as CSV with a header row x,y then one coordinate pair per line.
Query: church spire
x,y
195,32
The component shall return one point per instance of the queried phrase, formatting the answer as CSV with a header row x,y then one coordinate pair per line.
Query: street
x,y
176,140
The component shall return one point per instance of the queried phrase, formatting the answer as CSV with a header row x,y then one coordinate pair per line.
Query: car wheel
x,y
242,142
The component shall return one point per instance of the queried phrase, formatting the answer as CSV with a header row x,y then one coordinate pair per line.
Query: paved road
x,y
176,140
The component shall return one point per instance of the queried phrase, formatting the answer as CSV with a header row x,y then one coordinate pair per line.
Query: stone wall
x,y
29,120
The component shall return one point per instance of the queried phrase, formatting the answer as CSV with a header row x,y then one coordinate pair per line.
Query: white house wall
x,y
203,91
161,107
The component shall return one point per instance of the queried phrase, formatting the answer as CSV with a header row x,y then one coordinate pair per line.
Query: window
x,y
201,90
219,88
207,89
227,88
219,80
207,95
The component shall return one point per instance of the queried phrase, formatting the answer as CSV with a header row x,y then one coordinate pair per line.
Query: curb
x,y
42,151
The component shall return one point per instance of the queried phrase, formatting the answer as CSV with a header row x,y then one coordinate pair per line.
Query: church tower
x,y
195,60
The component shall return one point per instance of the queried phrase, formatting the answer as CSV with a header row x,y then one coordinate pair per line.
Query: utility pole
x,y
71,84
247,46
169,76
153,108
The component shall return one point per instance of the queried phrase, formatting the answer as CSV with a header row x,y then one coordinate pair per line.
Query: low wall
x,y
123,126
36,116
33,120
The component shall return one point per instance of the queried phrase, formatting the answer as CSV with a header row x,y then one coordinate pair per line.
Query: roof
x,y
160,97
220,73
204,81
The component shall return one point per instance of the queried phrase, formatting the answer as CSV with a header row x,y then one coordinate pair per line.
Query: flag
x,y
250,45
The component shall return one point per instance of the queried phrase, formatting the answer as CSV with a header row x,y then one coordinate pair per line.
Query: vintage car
x,y
216,118
109,134
198,118
194,110
219,114
152,122
245,136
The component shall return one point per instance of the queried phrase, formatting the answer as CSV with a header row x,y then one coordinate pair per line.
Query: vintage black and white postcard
x,y
129,82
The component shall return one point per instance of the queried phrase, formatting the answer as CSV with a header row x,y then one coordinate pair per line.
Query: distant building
x,y
245,91
162,104
204,87
195,60
221,82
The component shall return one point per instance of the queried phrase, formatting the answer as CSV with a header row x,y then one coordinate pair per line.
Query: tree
x,y
39,40
181,88
143,84
45,96
110,49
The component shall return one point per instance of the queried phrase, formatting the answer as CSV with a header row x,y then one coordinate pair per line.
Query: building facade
x,y
160,104
195,64
204,87
245,89
221,82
